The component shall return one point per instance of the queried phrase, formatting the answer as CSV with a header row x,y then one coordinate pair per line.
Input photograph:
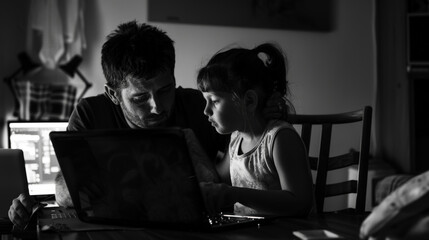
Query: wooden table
x,y
345,225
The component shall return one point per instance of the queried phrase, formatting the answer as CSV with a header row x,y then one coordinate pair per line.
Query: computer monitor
x,y
41,164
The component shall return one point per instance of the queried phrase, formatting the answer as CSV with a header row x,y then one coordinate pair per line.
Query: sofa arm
x,y
386,185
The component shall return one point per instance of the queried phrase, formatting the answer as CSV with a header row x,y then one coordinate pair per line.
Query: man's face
x,y
148,102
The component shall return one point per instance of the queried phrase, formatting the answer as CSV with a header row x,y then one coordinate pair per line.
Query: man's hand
x,y
276,107
20,210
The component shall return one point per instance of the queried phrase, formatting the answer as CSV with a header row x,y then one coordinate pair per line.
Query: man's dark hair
x,y
138,51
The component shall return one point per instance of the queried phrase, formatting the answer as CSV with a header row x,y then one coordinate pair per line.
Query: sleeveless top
x,y
255,169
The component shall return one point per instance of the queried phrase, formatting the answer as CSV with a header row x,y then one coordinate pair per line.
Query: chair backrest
x,y
324,162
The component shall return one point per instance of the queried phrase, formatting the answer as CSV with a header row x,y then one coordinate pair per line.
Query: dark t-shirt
x,y
99,112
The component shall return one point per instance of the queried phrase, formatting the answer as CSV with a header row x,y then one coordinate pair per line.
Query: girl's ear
x,y
111,94
251,100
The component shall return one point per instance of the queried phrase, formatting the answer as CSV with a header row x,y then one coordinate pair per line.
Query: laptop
x,y
41,164
136,178
12,178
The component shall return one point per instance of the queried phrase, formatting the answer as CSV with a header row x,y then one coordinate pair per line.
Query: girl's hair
x,y
237,70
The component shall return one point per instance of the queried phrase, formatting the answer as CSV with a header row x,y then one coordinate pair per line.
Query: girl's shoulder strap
x,y
273,128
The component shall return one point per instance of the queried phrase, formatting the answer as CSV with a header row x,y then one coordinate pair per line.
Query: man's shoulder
x,y
188,92
100,99
96,112
190,99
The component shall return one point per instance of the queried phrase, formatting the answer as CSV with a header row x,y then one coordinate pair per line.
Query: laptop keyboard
x,y
58,215
221,219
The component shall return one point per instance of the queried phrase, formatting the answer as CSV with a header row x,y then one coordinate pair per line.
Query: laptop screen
x,y
41,164
130,176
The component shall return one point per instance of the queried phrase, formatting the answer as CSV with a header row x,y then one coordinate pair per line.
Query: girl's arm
x,y
296,196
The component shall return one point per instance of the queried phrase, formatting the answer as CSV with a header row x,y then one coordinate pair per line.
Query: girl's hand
x,y
217,196
276,107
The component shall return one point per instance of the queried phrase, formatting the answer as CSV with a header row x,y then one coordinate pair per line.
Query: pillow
x,y
402,214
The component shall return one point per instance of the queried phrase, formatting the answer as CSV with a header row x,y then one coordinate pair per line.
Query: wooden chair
x,y
324,162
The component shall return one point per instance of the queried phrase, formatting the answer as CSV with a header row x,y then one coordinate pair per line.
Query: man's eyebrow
x,y
140,92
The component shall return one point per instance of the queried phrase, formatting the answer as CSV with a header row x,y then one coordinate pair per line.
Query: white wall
x,y
329,71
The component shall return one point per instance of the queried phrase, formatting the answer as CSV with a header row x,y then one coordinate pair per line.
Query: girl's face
x,y
223,111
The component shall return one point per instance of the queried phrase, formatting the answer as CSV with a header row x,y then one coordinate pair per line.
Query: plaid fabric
x,y
41,101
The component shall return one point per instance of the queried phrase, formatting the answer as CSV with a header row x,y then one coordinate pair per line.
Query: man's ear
x,y
111,94
251,100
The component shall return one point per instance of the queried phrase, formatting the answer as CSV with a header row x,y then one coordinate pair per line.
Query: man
x,y
138,63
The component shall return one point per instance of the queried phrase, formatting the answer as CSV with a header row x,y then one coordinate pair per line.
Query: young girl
x,y
267,162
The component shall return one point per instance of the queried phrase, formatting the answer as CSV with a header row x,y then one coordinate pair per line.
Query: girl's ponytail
x,y
275,61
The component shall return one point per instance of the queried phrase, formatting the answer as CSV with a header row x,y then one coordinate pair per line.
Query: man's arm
x,y
21,207
80,117
62,195
222,167
78,121
205,168
277,107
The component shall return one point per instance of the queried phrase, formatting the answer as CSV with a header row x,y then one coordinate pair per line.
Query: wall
x,y
329,71
325,67
13,27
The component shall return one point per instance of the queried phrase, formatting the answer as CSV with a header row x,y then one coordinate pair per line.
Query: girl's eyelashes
x,y
213,99
212,103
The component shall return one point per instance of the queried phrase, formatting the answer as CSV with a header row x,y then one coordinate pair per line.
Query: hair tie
x,y
264,58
